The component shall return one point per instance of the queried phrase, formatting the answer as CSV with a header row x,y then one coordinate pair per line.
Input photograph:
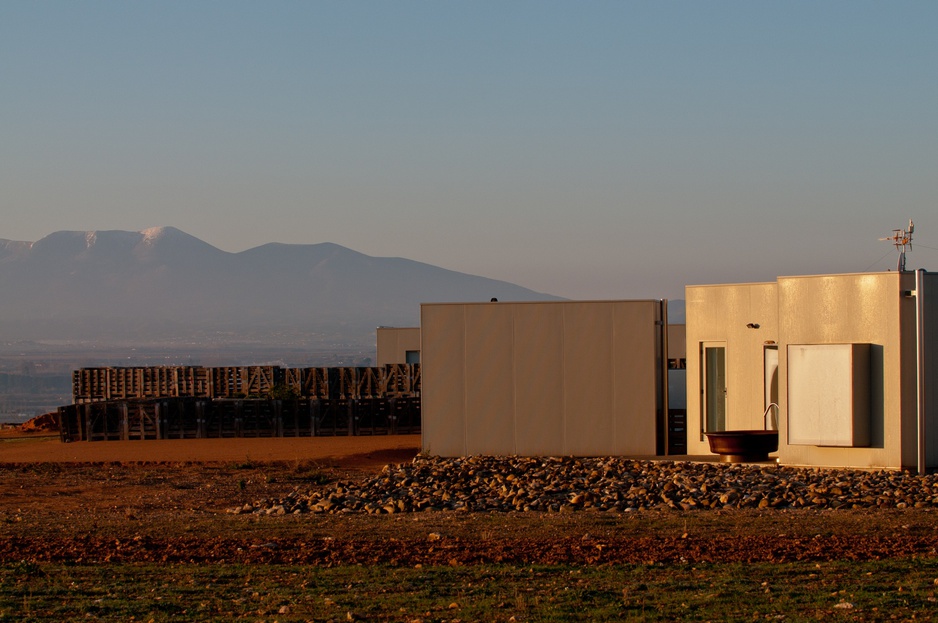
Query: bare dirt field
x,y
171,500
168,503
350,451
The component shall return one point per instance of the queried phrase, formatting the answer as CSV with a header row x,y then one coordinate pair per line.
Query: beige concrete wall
x,y
862,309
721,314
394,342
557,378
866,308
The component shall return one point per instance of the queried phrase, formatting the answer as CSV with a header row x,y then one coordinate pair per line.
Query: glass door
x,y
713,360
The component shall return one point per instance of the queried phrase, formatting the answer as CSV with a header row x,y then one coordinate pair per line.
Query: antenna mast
x,y
902,239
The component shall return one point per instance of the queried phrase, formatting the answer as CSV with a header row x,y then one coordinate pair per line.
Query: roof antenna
x,y
902,239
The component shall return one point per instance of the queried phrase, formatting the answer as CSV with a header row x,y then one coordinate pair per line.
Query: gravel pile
x,y
502,484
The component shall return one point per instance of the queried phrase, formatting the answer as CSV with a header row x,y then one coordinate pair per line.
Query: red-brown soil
x,y
362,452
168,501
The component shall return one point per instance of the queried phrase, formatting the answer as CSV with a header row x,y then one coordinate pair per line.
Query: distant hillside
x,y
162,283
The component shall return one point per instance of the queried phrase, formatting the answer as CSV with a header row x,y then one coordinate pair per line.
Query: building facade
x,y
544,379
398,345
849,360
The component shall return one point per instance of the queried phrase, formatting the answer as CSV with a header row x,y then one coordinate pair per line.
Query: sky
x,y
597,150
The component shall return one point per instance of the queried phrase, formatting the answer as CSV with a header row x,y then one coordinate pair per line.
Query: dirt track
x,y
347,451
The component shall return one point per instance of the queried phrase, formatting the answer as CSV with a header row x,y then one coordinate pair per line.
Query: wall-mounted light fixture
x,y
752,325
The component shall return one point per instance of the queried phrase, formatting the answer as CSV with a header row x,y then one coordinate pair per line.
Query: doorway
x,y
770,365
713,387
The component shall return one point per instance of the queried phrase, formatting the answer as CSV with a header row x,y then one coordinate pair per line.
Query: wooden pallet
x,y
193,418
148,383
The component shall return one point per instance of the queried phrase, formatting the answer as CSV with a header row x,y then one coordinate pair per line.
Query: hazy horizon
x,y
613,150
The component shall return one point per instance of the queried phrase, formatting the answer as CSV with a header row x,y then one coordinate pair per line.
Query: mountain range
x,y
163,283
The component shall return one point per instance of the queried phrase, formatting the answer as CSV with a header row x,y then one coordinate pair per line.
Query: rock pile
x,y
502,484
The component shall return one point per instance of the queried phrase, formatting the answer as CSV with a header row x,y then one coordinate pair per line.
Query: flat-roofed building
x,y
851,360
398,345
586,378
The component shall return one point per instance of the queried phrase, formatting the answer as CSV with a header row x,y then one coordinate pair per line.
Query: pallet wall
x,y
147,383
192,418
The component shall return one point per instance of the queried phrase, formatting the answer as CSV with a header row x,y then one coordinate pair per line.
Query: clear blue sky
x,y
590,150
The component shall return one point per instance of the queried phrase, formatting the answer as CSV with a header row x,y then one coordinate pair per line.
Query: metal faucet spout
x,y
766,416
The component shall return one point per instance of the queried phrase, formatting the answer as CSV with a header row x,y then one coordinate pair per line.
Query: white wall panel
x,y
538,374
443,380
829,394
540,378
588,379
637,365
490,381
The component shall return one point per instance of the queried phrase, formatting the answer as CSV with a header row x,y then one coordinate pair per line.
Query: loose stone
x,y
567,485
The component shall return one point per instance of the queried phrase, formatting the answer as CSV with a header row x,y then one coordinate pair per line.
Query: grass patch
x,y
309,472
247,463
839,591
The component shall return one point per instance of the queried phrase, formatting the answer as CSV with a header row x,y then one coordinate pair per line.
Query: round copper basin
x,y
743,446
